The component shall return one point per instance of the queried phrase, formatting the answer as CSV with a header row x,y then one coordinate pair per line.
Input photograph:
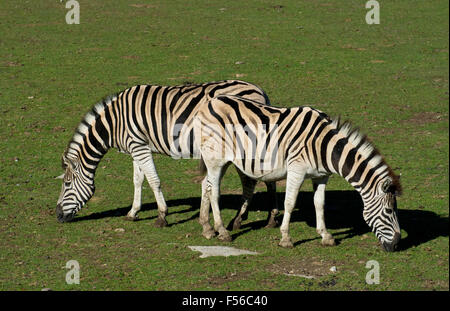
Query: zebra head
x,y
380,213
77,189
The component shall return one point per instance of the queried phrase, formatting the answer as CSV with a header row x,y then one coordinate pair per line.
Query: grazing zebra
x,y
269,144
141,120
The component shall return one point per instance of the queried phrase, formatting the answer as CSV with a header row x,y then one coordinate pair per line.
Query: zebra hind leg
x,y
248,188
213,179
138,179
272,192
208,231
319,203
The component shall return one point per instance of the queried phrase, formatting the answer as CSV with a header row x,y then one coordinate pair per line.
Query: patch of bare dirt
x,y
218,281
144,5
307,268
12,64
130,57
196,178
351,47
426,117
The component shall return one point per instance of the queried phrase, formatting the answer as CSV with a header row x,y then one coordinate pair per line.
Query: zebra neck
x,y
364,172
90,142
353,158
86,156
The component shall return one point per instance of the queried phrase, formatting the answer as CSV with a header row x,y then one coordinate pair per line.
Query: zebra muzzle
x,y
392,246
61,217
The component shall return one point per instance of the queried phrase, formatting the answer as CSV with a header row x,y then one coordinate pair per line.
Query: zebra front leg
x,y
272,192
248,188
144,159
208,231
293,184
319,203
138,179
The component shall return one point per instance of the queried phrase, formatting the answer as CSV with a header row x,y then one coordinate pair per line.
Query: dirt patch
x,y
131,57
197,178
146,6
426,117
12,64
351,47
218,281
307,268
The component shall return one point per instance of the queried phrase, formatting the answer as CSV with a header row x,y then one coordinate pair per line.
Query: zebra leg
x,y
272,192
145,161
319,203
248,188
138,179
293,184
208,231
214,176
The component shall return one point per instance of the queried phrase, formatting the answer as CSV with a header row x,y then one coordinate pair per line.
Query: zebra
x,y
269,144
139,121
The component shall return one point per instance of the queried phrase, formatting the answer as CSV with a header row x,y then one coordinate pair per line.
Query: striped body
x,y
141,120
269,144
157,116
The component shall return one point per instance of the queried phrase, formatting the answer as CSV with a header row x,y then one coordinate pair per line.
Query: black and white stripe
x,y
140,120
269,144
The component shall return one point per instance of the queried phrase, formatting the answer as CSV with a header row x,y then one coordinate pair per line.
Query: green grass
x,y
389,79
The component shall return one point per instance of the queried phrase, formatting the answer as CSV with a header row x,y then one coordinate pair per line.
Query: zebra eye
x,y
389,211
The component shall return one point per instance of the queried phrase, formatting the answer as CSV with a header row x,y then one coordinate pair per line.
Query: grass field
x,y
390,79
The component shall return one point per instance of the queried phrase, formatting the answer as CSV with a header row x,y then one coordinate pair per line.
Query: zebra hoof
x,y
328,242
160,223
224,237
286,243
209,234
237,225
131,218
271,224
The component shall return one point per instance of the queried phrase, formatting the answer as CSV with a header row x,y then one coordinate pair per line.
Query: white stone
x,y
225,251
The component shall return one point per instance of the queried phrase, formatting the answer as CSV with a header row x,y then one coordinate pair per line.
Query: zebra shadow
x,y
343,210
193,203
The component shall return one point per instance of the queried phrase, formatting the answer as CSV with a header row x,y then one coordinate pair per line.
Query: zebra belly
x,y
313,173
274,175
266,176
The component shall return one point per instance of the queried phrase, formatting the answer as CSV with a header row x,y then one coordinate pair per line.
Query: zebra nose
x,y
392,246
61,217
396,239
59,213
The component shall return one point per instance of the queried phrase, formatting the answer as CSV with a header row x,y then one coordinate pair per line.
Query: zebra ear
x,y
67,162
392,186
64,159
63,163
397,186
386,186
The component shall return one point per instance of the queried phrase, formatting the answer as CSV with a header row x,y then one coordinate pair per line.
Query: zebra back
x,y
160,116
263,139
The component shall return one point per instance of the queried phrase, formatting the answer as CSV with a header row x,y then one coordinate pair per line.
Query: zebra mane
x,y
86,123
356,137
